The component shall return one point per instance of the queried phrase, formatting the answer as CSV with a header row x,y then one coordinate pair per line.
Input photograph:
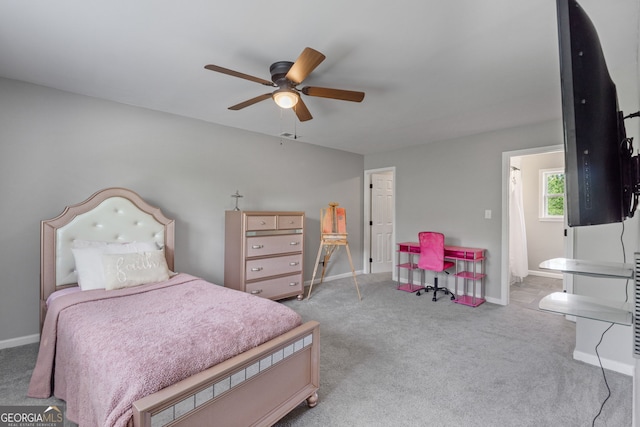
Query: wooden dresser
x,y
264,253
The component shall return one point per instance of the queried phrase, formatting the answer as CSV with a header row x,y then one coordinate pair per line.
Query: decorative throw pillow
x,y
88,259
133,269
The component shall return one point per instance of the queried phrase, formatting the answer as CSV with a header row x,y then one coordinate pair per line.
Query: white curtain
x,y
518,264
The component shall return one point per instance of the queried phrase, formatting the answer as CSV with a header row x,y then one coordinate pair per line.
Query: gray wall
x,y
544,238
57,148
447,186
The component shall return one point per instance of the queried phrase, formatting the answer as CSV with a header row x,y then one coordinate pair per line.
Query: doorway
x,y
533,158
379,220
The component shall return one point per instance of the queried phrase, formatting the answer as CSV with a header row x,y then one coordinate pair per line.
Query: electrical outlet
x,y
487,214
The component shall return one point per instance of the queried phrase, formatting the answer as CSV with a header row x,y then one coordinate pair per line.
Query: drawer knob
x,y
294,243
294,263
256,269
262,223
293,284
257,246
256,292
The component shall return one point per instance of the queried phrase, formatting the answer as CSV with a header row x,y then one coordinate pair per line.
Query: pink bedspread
x,y
111,348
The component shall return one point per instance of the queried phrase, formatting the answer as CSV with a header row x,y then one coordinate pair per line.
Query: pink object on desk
x,y
463,253
452,252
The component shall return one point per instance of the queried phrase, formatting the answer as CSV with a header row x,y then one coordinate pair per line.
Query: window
x,y
552,200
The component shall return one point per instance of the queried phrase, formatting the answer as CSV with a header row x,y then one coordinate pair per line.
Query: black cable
x,y
603,376
624,260
624,256
624,253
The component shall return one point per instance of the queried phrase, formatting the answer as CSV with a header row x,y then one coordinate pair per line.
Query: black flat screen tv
x,y
598,155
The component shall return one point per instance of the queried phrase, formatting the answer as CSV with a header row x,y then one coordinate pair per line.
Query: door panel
x,y
382,223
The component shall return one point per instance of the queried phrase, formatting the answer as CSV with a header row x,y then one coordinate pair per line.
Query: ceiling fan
x,y
286,76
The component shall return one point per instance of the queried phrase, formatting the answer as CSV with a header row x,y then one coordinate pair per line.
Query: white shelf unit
x,y
588,307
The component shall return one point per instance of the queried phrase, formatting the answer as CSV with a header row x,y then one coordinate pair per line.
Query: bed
x,y
275,371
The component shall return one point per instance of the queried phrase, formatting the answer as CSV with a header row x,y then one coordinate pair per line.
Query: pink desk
x,y
469,268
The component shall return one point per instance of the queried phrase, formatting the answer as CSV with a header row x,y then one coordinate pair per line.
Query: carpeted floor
x,y
398,359
395,359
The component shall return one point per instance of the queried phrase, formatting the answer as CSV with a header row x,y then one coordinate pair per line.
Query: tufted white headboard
x,y
110,215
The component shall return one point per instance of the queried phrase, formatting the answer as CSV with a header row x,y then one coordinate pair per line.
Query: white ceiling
x,y
431,69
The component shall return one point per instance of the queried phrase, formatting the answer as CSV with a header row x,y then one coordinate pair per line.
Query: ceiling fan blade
x,y
238,74
325,92
308,60
302,111
250,102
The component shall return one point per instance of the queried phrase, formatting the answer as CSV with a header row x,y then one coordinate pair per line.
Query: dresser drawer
x,y
261,222
287,222
265,267
270,245
273,288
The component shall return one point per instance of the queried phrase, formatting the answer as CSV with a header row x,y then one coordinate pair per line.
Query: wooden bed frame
x,y
257,387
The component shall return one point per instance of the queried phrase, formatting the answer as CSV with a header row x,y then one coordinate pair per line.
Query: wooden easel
x,y
333,227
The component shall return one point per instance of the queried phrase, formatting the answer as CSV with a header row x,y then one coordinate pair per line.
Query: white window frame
x,y
544,196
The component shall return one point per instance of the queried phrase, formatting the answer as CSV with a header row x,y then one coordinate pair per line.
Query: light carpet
x,y
395,359
398,359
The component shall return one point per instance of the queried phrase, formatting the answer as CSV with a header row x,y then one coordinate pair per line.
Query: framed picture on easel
x,y
334,221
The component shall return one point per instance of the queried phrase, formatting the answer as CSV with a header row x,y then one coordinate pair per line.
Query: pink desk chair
x,y
432,258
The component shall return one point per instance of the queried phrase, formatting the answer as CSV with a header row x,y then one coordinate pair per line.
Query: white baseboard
x,y
612,365
16,342
330,278
493,300
545,274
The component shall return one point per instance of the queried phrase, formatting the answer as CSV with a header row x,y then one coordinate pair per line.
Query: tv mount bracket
x,y
634,172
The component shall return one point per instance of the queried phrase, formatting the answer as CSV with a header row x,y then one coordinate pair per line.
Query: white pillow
x,y
88,258
133,269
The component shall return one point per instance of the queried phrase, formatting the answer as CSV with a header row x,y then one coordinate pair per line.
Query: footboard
x,y
257,387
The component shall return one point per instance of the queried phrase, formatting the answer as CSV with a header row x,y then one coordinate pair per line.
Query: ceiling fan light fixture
x,y
286,98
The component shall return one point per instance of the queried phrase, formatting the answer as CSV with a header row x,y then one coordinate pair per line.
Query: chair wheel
x,y
434,299
418,294
453,297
